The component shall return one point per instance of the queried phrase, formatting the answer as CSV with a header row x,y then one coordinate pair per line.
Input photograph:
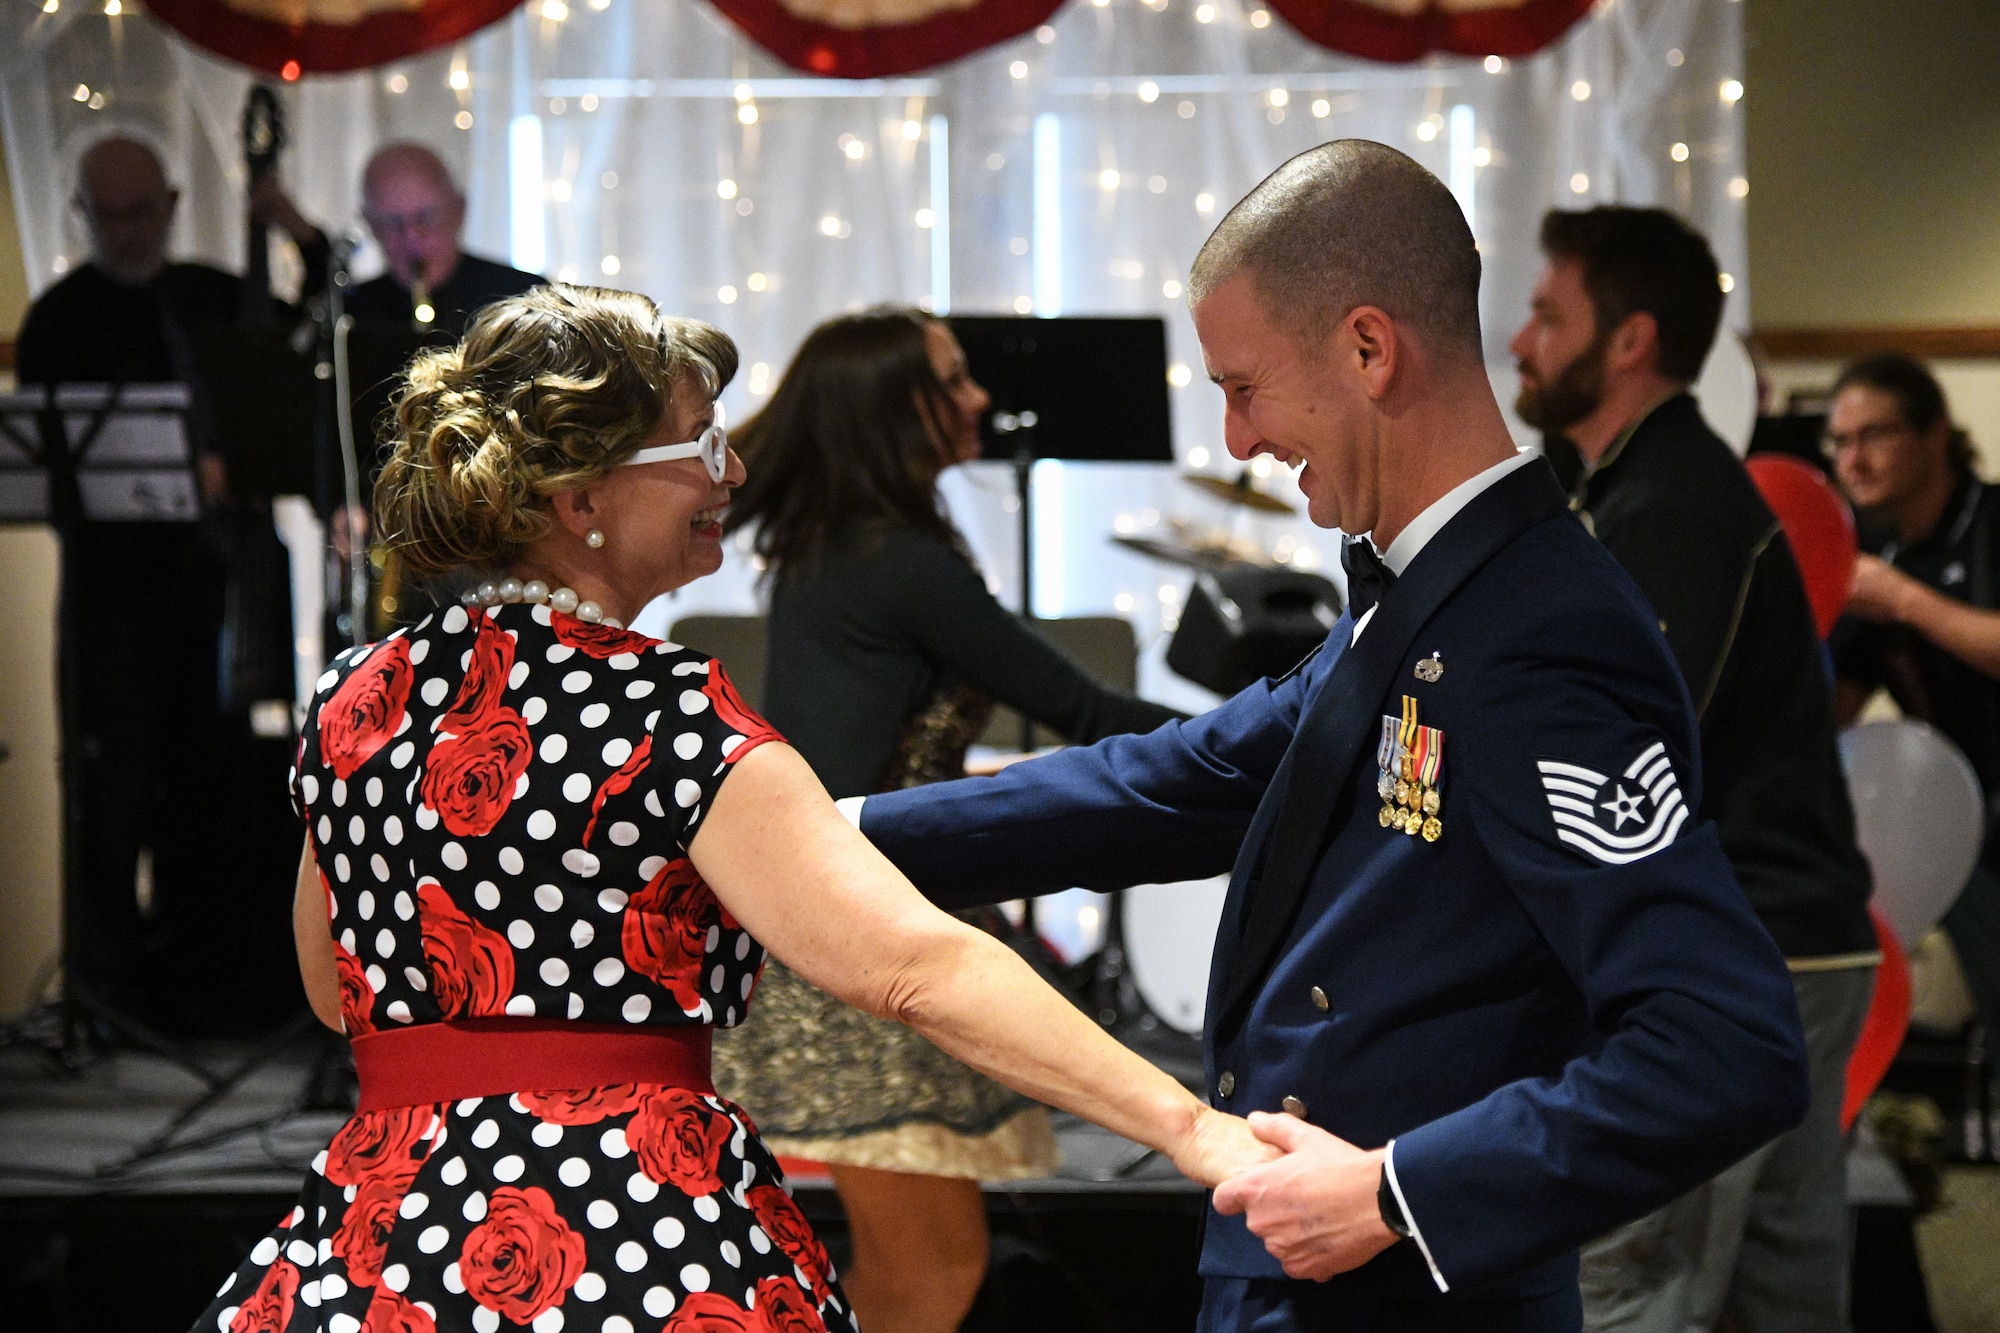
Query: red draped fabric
x,y
870,38
318,37
1399,30
851,39
866,39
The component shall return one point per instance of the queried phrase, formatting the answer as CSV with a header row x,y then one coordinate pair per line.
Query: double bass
x,y
256,652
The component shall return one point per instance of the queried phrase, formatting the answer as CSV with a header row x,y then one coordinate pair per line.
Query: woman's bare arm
x,y
315,943
811,888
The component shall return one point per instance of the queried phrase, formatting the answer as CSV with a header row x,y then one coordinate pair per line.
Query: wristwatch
x,y
1392,1211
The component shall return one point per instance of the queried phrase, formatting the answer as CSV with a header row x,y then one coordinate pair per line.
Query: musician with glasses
x,y
416,213
152,748
1924,618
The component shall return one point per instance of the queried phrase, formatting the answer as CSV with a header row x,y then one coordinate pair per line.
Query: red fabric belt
x,y
481,1057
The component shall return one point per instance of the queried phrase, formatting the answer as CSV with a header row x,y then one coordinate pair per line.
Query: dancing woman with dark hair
x,y
545,855
886,656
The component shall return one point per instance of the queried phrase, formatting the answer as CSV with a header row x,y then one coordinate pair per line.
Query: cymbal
x,y
1241,491
1192,555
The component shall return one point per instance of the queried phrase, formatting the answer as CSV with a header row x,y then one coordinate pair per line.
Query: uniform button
x,y
1320,1002
1226,1084
1293,1106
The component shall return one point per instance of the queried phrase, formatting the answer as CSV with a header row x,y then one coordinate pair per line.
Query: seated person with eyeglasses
x,y
1924,618
416,212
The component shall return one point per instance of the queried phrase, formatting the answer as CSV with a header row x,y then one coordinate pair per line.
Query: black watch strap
x,y
1392,1211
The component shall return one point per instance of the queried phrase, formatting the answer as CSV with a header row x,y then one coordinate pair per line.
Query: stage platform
x,y
91,1238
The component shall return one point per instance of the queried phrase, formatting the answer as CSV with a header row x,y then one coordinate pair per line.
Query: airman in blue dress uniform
x,y
1491,985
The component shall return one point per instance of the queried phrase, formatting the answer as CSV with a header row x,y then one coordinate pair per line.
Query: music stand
x,y
103,453
93,453
1090,389
1075,389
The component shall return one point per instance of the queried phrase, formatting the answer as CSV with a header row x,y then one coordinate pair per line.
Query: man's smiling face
x,y
1280,401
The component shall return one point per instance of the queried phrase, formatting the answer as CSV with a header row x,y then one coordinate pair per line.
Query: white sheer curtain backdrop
x,y
646,144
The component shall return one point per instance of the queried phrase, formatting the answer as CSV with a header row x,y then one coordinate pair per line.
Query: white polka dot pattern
x,y
504,832
586,822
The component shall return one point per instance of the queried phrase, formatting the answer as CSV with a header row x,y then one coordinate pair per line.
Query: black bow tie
x,y
1368,579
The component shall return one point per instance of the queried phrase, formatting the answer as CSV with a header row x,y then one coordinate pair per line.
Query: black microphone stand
x,y
325,1084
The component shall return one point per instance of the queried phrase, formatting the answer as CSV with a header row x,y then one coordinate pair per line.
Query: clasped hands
x,y
1309,1196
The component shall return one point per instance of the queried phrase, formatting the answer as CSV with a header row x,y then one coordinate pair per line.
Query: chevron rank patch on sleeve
x,y
1619,819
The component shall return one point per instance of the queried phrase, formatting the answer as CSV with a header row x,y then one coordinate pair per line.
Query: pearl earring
x,y
595,540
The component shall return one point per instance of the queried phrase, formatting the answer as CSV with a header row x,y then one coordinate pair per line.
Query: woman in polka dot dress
x,y
528,893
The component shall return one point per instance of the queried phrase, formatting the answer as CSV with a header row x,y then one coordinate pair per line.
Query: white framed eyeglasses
x,y
712,449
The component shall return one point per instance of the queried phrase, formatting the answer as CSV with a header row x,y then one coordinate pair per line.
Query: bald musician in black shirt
x,y
128,314
143,601
416,212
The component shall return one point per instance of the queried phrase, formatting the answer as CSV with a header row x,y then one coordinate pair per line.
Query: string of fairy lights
x,y
551,17
1056,174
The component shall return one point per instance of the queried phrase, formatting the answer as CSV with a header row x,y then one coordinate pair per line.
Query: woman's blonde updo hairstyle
x,y
548,391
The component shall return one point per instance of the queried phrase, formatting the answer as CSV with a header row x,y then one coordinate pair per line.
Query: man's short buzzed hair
x,y
1347,224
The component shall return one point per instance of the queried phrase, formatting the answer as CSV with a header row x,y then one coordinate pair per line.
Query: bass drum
x,y
1169,940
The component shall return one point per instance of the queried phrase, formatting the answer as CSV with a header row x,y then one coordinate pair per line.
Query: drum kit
x,y
1216,549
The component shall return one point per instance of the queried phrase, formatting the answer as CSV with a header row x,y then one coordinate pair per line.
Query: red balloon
x,y
1819,526
1882,1031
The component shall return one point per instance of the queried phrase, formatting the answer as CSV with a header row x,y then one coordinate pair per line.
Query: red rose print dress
x,y
500,803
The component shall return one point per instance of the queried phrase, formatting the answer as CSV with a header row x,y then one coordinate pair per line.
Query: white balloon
x,y
1170,939
1727,391
1919,815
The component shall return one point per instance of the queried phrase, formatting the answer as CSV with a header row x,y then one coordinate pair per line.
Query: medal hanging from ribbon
x,y
1389,758
1410,757
1429,799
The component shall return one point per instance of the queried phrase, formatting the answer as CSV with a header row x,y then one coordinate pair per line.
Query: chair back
x,y
735,641
1104,646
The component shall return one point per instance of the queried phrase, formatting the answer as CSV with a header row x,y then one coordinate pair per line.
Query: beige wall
x,y
1972,387
1873,140
30,841
13,278
30,813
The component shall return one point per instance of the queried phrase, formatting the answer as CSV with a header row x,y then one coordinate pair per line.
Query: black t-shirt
x,y
858,641
1679,512
164,580
474,284
91,329
1960,559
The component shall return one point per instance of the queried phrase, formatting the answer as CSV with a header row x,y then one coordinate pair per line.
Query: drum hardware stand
x,y
1022,427
1117,1005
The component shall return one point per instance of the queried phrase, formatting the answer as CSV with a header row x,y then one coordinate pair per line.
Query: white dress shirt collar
x,y
1443,510
1428,524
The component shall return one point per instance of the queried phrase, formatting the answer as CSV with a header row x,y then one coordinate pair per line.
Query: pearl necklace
x,y
565,600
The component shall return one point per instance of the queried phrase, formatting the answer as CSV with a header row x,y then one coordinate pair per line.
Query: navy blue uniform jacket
x,y
1562,1027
